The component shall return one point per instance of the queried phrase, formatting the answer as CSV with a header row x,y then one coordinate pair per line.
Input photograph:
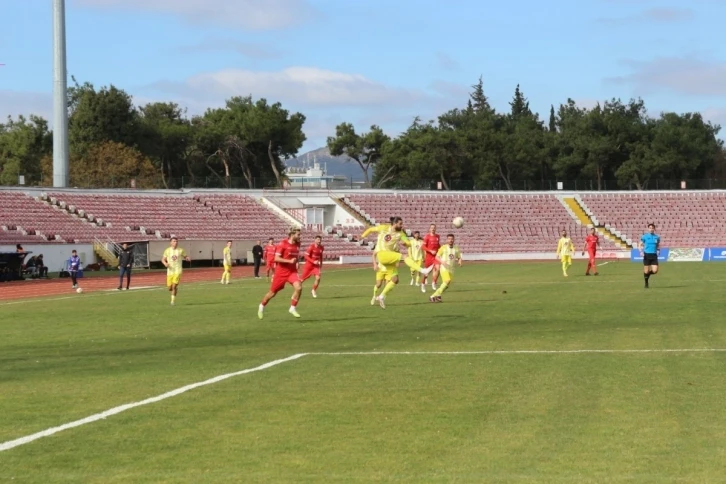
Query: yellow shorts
x,y
566,258
389,273
419,262
445,274
389,257
173,280
227,268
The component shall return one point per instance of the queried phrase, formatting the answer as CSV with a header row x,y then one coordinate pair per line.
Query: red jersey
x,y
314,254
270,252
287,250
431,243
591,242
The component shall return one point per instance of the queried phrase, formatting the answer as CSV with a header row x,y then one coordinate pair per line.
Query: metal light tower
x,y
60,96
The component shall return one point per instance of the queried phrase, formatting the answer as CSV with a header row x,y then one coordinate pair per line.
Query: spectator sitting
x,y
31,267
19,249
40,265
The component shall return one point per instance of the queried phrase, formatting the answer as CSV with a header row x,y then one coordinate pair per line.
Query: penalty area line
x,y
122,408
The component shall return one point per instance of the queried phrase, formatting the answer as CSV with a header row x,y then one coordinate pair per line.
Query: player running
x,y
227,261
269,255
389,256
650,250
287,254
416,253
431,244
592,243
172,260
447,257
313,263
565,248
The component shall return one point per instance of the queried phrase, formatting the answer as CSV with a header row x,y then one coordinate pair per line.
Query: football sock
x,y
388,288
441,289
293,303
375,291
315,286
413,264
564,267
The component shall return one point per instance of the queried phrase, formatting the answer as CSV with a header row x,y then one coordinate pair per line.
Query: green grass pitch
x,y
430,415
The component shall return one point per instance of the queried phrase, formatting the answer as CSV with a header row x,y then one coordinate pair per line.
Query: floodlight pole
x,y
60,97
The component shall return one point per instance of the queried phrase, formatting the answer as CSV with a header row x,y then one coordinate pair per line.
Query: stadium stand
x,y
494,222
683,219
79,217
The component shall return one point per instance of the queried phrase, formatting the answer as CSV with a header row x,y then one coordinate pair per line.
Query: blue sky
x,y
373,61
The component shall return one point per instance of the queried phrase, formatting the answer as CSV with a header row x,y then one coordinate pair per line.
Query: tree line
x,y
612,141
112,142
244,143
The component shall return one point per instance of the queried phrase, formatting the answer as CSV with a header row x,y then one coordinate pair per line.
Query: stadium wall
x,y
511,256
56,255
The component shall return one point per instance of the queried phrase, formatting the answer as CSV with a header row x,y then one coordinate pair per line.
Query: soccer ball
x,y
79,290
458,222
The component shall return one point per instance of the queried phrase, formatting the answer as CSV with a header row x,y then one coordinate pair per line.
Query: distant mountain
x,y
336,165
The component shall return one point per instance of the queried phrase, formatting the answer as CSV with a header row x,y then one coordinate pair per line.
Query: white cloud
x,y
15,103
244,14
683,75
306,86
247,49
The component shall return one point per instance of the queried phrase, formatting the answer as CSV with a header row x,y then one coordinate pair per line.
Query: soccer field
x,y
557,380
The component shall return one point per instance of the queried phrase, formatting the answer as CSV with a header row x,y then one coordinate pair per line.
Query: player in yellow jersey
x,y
448,257
172,260
388,256
565,249
416,253
227,262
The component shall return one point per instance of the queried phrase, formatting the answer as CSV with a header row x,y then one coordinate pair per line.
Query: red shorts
x,y
429,260
280,279
310,270
591,253
269,262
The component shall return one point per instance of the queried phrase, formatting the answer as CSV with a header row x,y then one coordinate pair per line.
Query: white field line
x,y
122,408
516,352
100,416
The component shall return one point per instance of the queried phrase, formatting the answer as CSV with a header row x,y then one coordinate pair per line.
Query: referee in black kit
x,y
257,252
125,264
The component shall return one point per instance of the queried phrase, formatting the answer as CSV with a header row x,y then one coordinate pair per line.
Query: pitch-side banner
x,y
636,256
684,255
717,254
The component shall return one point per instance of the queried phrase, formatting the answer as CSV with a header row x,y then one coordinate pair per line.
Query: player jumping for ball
x,y
650,250
388,257
287,254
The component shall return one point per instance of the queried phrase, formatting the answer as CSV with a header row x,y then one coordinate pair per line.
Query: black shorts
x,y
650,259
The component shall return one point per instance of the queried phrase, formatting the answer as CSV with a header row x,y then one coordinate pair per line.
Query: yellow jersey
x,y
227,256
174,258
449,255
565,247
388,238
416,250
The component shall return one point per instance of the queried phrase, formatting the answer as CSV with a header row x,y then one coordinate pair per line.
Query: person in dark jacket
x,y
125,263
257,252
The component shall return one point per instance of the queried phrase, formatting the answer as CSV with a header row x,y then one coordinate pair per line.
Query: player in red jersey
x,y
269,255
431,245
313,263
287,254
592,243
